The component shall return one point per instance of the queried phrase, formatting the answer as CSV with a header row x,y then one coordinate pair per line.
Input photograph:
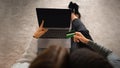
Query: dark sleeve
x,y
100,49
77,25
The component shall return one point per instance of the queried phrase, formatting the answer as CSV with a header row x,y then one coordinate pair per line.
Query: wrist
x,y
86,40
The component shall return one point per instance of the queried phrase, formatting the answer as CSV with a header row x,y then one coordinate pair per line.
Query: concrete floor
x,y
18,22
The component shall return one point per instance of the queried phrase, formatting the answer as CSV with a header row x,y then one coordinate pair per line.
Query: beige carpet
x,y
18,22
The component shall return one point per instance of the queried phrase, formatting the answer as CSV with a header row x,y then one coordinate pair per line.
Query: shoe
x,y
74,8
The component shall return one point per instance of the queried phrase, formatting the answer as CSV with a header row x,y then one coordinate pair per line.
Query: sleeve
x,y
28,56
77,25
21,65
100,49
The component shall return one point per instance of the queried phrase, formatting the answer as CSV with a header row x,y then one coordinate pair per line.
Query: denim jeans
x,y
114,60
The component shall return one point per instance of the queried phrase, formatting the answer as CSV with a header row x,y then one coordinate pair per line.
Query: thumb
x,y
78,33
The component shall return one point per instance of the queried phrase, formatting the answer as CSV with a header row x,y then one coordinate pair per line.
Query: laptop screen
x,y
54,18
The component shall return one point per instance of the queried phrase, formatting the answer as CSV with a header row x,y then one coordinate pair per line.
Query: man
x,y
87,58
81,39
82,43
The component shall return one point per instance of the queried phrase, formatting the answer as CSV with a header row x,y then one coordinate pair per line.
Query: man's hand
x,y
79,37
40,31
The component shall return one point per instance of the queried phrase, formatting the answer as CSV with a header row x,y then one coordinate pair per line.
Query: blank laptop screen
x,y
54,18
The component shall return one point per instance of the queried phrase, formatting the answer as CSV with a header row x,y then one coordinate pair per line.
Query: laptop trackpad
x,y
44,43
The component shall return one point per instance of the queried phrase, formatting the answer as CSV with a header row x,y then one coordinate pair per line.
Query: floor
x,y
18,22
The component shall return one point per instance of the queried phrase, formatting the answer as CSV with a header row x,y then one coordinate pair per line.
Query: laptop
x,y
57,21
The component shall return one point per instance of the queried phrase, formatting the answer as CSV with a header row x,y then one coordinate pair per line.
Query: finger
x,y
74,39
41,26
77,40
45,30
78,34
36,35
39,34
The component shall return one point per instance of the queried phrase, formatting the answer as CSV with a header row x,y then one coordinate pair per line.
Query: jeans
x,y
114,60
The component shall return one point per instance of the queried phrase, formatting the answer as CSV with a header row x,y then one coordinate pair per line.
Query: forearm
x,y
98,48
28,56
30,52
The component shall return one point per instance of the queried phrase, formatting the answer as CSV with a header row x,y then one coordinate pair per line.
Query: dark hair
x,y
74,8
85,58
52,57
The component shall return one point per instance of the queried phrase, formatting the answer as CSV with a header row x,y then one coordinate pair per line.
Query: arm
x,y
98,48
28,56
31,51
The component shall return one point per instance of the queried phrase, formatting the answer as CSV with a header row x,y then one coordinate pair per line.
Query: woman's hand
x,y
79,37
40,31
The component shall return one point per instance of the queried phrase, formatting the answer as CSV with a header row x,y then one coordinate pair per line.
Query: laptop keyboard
x,y
55,34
